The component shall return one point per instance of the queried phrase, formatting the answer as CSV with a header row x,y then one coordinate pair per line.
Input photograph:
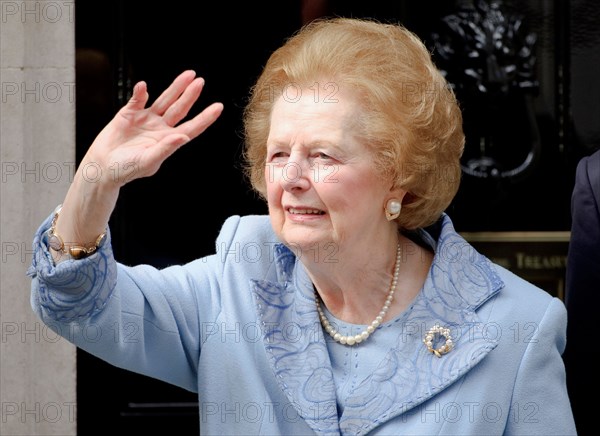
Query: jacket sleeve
x,y
540,404
138,318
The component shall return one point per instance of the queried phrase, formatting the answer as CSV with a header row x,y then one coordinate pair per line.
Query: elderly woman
x,y
356,308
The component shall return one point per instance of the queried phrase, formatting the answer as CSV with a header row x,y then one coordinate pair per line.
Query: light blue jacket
x,y
240,327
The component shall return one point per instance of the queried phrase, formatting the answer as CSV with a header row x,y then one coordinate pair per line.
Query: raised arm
x,y
133,145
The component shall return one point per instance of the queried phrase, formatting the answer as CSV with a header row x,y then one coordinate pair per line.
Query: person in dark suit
x,y
582,295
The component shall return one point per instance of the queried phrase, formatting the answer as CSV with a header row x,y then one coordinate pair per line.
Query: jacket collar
x,y
459,281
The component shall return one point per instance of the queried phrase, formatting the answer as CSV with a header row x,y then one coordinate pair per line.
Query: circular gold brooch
x,y
432,334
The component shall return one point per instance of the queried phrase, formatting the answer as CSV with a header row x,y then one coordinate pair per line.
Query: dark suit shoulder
x,y
589,167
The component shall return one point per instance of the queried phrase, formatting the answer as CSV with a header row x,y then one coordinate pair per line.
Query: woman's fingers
x,y
200,122
181,135
139,98
180,108
143,136
176,137
157,154
172,93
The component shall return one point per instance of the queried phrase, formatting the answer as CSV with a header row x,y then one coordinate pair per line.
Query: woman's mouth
x,y
304,211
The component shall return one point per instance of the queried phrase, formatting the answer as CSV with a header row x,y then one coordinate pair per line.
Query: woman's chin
x,y
313,250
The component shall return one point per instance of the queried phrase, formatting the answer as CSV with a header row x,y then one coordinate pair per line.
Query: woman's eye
x,y
323,156
279,156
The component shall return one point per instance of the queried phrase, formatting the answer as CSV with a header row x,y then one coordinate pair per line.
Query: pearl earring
x,y
392,209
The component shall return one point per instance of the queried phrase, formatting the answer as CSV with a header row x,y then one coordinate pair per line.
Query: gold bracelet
x,y
75,251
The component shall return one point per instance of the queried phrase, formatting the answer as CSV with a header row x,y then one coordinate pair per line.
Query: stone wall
x,y
37,151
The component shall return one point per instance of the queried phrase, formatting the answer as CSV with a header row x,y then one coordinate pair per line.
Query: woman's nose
x,y
295,175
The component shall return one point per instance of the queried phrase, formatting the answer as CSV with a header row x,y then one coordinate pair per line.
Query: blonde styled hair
x,y
410,117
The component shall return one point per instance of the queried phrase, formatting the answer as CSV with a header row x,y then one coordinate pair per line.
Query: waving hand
x,y
139,139
132,145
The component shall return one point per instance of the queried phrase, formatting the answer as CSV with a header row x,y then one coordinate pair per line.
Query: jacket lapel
x,y
294,342
459,281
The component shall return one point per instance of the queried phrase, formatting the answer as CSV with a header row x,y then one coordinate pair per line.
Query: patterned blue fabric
x,y
240,327
95,276
409,374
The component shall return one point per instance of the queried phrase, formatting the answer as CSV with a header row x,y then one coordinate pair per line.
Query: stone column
x,y
37,151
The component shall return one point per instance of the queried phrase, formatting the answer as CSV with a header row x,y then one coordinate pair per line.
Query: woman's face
x,y
323,191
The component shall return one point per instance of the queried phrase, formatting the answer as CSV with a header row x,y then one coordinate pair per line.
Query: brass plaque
x,y
538,257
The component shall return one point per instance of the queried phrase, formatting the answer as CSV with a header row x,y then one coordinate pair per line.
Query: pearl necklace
x,y
357,339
